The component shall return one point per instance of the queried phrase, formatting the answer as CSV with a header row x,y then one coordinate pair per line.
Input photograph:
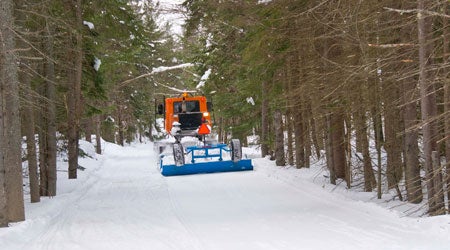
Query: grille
x,y
190,121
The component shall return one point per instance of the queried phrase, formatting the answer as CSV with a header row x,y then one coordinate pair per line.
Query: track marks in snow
x,y
126,204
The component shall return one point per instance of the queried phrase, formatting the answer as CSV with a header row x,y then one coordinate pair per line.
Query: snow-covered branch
x,y
391,45
157,70
175,89
428,12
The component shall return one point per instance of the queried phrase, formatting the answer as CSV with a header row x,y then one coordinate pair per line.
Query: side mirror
x,y
160,109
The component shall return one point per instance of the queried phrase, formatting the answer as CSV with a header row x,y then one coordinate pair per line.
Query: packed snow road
x,y
122,203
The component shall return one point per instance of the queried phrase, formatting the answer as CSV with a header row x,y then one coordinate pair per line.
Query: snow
x,y
110,119
89,24
97,63
172,14
209,40
250,101
203,79
167,68
121,201
157,70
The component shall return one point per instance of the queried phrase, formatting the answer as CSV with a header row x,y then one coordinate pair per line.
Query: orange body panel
x,y
185,104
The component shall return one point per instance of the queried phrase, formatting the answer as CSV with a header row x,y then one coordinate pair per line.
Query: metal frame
x,y
205,167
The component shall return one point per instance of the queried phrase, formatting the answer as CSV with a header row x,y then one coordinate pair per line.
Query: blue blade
x,y
207,167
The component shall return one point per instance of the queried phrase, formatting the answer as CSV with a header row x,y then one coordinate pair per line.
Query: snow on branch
x,y
250,100
157,70
392,45
203,79
165,68
97,63
89,24
428,12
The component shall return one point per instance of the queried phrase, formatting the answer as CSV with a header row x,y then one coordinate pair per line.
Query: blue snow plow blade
x,y
180,167
206,167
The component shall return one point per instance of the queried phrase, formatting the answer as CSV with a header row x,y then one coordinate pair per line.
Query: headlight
x,y
205,114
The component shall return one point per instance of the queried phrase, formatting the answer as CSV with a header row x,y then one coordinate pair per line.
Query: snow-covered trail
x,y
252,211
126,204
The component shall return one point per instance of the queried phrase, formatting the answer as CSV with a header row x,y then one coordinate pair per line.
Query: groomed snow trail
x,y
125,204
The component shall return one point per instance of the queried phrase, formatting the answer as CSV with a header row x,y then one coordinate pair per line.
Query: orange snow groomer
x,y
185,114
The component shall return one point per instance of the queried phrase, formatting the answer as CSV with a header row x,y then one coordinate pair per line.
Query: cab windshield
x,y
189,106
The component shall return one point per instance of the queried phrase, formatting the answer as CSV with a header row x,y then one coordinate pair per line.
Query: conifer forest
x,y
363,85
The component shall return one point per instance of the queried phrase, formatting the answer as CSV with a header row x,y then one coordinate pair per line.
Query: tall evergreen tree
x,y
28,107
10,138
428,107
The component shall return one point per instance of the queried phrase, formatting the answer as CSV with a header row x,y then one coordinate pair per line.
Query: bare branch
x,y
32,46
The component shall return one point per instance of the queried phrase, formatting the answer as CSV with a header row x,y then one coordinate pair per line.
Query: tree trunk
x,y
411,147
120,133
369,176
88,129
219,127
440,201
87,124
290,140
361,133
299,138
279,139
28,120
32,157
314,136
264,121
338,145
392,145
428,106
50,93
43,161
374,84
289,120
11,137
307,133
3,201
28,117
377,122
329,150
348,150
446,44
74,93
98,139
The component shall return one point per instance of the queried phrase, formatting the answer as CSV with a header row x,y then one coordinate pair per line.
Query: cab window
x,y
190,106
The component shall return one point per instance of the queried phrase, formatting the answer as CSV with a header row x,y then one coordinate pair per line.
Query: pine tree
x,y
10,138
428,109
